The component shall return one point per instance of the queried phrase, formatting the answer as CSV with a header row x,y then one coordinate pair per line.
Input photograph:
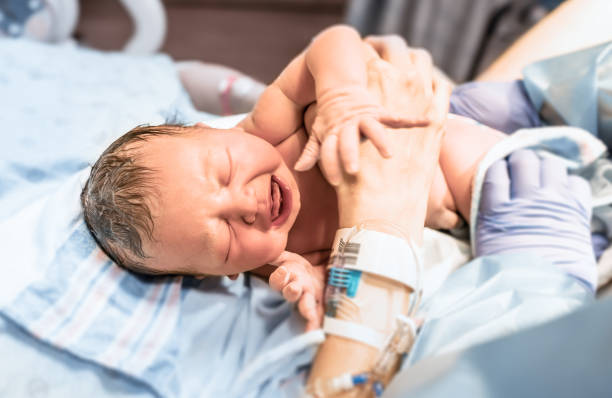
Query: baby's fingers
x,y
376,133
309,310
349,148
330,163
309,155
279,278
293,291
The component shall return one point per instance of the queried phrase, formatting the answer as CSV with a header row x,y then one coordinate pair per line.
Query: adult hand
x,y
530,203
402,78
343,116
415,77
420,78
397,189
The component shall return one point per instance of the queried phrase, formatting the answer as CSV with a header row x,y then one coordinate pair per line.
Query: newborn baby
x,y
199,201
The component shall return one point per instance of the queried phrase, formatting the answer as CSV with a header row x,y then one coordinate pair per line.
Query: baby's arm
x,y
301,282
334,59
333,71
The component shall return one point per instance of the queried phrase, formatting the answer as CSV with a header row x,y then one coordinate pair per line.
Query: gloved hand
x,y
529,203
504,106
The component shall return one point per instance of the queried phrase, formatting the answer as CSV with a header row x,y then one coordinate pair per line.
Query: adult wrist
x,y
409,214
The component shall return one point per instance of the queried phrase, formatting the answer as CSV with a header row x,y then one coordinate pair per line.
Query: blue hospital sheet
x,y
65,309
75,323
566,358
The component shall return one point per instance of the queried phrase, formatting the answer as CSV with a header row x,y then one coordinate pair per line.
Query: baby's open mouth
x,y
277,199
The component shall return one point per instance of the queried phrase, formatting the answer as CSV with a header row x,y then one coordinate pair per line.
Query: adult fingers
x,y
524,169
441,100
393,49
330,163
376,133
399,121
349,148
424,65
309,155
553,173
581,190
496,186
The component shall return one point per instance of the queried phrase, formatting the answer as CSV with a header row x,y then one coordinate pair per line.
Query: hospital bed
x,y
71,322
54,21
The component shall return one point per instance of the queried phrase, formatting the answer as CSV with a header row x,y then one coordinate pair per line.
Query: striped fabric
x,y
101,313
63,105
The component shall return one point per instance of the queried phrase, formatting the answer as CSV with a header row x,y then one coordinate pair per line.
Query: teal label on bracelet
x,y
345,279
351,289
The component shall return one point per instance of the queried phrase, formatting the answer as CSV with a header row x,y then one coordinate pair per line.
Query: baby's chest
x,y
317,221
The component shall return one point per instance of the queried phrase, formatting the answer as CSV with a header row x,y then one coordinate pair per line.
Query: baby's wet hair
x,y
117,198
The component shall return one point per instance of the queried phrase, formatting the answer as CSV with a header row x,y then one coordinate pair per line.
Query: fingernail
x,y
299,166
283,274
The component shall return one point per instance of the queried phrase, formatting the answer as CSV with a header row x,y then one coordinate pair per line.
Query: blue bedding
x,y
66,312
71,321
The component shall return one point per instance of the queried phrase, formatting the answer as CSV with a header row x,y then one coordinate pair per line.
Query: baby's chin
x,y
279,240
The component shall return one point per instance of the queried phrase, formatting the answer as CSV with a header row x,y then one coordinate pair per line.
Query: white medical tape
x,y
378,253
354,331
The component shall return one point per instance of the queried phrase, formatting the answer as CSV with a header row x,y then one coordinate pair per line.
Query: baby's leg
x,y
465,144
441,209
217,88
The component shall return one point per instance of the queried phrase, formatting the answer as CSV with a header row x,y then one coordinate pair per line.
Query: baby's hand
x,y
300,282
342,116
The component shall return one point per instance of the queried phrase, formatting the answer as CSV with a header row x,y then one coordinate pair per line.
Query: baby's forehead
x,y
158,145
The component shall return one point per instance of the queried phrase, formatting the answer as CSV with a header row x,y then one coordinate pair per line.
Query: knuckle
x,y
395,39
422,54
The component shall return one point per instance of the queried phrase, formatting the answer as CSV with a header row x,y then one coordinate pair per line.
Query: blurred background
x,y
259,37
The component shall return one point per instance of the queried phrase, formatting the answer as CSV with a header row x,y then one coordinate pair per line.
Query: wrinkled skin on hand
x,y
347,113
401,81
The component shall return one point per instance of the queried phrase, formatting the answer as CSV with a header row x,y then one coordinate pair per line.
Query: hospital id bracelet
x,y
366,273
379,248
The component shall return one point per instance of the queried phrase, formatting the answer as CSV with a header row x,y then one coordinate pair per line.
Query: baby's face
x,y
226,202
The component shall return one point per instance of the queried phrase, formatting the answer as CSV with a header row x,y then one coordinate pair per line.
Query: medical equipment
x,y
530,203
379,250
56,20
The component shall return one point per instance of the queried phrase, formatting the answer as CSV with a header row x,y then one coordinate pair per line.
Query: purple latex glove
x,y
504,106
529,203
